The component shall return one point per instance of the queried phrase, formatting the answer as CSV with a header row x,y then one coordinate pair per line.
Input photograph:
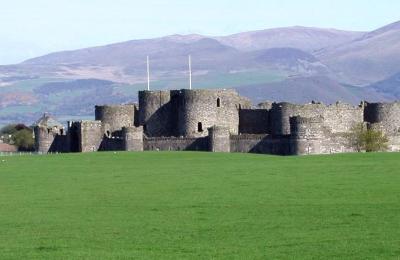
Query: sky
x,y
30,28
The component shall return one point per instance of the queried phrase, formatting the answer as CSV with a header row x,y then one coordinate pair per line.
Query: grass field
x,y
200,206
209,81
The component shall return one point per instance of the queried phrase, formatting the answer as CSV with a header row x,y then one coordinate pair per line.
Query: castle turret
x,y
219,139
201,109
44,139
46,130
116,116
306,135
132,138
86,136
279,117
384,117
156,113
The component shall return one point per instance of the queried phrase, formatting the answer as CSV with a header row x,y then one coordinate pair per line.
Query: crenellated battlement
x,y
116,116
222,120
297,120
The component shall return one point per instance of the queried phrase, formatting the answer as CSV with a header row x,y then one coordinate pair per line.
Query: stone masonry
x,y
218,121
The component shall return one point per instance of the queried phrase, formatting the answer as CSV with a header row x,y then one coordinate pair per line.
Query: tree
x,y
6,133
375,141
23,139
19,127
366,139
355,136
8,129
19,135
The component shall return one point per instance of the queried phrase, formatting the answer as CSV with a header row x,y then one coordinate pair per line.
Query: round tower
x,y
45,130
156,113
202,109
219,139
116,116
44,138
383,117
306,135
279,116
132,138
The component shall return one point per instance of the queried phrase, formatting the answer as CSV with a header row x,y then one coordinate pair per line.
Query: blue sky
x,y
31,28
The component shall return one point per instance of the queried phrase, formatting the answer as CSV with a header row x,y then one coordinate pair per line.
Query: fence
x,y
3,154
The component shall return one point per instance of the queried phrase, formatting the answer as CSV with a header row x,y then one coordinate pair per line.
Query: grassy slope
x,y
199,205
209,81
55,102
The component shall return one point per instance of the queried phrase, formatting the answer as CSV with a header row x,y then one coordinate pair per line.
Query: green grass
x,y
200,206
209,81
30,84
18,109
238,79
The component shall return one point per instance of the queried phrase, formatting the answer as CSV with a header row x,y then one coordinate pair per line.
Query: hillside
x,y
296,64
306,89
303,38
125,62
370,58
389,86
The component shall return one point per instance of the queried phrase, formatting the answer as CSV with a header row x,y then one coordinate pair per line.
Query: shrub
x,y
366,139
375,141
8,129
23,139
21,136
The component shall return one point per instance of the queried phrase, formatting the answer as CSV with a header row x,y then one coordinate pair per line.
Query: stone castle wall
x,y
219,139
116,116
221,121
254,121
337,117
132,138
90,135
44,139
385,117
306,135
336,143
175,144
202,109
156,113
112,144
188,112
306,127
50,140
261,143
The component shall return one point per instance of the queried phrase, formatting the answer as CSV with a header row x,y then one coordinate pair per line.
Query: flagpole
x,y
190,72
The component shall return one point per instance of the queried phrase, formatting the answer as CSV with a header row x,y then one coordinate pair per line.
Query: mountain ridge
x,y
312,38
297,64
367,59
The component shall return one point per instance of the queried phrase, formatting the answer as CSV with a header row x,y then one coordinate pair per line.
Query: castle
x,y
218,121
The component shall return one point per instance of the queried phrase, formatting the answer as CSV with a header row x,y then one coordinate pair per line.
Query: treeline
x,y
18,135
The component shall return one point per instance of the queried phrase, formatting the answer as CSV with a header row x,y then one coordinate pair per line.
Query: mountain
x,y
306,89
303,38
367,59
296,64
291,60
125,62
389,86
